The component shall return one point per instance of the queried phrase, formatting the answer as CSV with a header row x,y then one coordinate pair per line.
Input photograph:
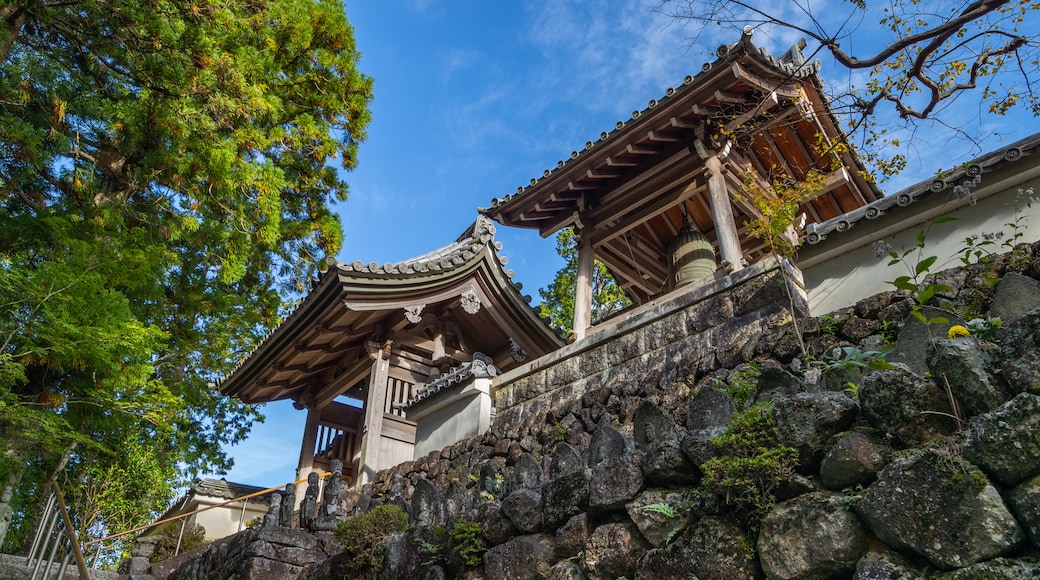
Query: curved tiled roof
x,y
792,63
480,367
225,489
960,181
440,266
466,248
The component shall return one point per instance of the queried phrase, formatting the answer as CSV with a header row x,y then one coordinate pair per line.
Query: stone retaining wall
x,y
710,323
598,463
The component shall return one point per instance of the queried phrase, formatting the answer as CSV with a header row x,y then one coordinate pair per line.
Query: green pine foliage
x,y
164,186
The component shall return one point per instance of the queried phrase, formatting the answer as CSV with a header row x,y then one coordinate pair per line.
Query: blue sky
x,y
473,99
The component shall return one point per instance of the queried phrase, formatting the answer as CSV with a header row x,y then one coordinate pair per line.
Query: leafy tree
x,y
163,185
916,56
778,207
558,299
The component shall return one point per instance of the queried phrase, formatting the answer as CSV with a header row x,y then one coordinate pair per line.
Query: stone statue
x,y
5,511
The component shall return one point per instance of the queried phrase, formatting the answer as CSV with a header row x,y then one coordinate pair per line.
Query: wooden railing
x,y
335,441
397,391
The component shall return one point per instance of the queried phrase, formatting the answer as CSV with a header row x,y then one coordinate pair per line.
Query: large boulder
x,y
613,550
1014,296
524,508
1020,352
566,570
806,421
914,343
571,537
614,483
884,566
911,408
775,381
1005,443
660,514
1024,501
714,547
997,570
709,413
811,536
565,496
938,505
854,460
971,367
521,558
496,526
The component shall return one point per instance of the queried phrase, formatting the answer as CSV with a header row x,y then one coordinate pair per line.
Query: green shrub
x,y
363,535
460,548
751,464
466,545
742,385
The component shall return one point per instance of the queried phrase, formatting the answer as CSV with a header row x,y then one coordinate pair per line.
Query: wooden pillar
x,y
306,464
583,286
372,431
722,214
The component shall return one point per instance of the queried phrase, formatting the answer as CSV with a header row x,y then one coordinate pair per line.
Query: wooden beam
x,y
613,162
600,174
769,102
373,429
614,204
680,123
784,89
669,196
661,138
639,150
728,97
343,381
768,135
626,273
571,186
648,257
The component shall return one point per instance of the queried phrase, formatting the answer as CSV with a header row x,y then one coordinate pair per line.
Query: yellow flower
x,y
958,331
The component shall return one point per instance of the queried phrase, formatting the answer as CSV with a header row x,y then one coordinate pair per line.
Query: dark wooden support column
x,y
721,209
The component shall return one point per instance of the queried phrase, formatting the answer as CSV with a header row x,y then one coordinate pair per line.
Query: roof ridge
x,y
791,62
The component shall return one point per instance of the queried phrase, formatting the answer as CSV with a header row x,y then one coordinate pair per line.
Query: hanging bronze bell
x,y
693,258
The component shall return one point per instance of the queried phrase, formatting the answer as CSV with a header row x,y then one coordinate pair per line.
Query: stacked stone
x,y
942,465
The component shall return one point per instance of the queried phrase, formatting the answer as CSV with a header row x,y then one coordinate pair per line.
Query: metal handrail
x,y
56,514
191,513
45,537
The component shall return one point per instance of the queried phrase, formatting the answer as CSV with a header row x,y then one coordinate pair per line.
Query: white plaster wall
x,y
842,271
447,425
226,520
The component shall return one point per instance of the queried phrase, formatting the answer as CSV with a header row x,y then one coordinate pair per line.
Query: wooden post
x,y
722,214
583,285
306,465
372,431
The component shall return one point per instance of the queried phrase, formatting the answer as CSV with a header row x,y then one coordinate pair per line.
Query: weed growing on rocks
x,y
466,545
751,464
363,535
741,385
460,548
